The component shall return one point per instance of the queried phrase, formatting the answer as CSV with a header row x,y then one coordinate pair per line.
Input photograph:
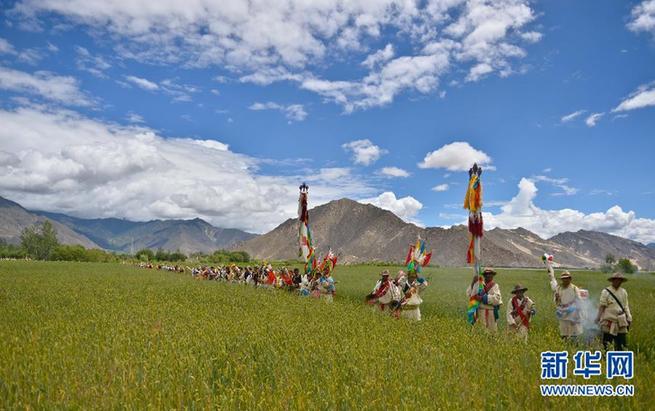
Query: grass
x,y
83,335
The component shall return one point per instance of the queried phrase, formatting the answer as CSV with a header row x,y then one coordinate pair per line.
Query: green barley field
x,y
110,336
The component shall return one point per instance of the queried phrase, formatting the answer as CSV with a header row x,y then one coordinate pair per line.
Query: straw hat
x,y
617,276
488,271
519,287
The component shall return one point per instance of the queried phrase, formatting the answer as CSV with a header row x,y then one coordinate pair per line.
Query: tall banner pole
x,y
305,248
473,203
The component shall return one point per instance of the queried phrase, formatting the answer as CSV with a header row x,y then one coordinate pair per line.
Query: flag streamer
x,y
473,203
417,256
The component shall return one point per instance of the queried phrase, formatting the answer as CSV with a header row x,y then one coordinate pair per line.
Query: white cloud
x,y
61,161
30,56
394,172
6,47
560,183
60,89
478,71
572,116
364,151
263,41
142,83
405,207
521,211
593,119
134,118
643,17
644,96
179,92
379,56
456,156
441,187
532,36
293,112
90,63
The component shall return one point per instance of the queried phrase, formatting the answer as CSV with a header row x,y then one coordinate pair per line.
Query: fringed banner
x,y
473,203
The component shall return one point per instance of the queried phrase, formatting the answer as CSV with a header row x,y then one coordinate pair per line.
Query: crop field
x,y
109,336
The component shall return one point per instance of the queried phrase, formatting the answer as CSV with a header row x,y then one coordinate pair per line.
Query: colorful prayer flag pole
x,y
306,249
329,261
473,203
417,256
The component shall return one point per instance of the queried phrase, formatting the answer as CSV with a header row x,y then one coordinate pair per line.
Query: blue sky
x,y
109,109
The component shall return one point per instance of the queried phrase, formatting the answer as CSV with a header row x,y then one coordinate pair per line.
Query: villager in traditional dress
x,y
412,286
386,294
296,278
567,297
327,287
614,313
271,279
520,311
306,284
489,298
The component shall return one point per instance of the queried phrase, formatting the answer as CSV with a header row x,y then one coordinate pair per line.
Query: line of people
x,y
316,283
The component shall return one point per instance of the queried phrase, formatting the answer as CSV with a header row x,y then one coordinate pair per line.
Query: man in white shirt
x,y
614,314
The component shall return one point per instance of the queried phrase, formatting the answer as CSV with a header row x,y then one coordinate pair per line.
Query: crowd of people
x,y
315,283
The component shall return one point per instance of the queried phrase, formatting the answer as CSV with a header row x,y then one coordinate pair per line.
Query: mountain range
x,y
356,232
362,232
120,235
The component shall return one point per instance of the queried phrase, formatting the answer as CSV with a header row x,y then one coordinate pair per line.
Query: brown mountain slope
x,y
14,218
362,232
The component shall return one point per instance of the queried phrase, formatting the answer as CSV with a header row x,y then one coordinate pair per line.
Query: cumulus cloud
x,y
456,156
293,112
644,96
643,17
364,151
263,41
593,119
521,211
572,116
405,207
394,172
441,187
60,161
46,85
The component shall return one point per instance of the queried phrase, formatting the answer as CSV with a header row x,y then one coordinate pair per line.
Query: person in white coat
x,y
520,311
490,300
614,314
566,297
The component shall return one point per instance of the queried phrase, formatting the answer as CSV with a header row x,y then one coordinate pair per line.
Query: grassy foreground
x,y
82,335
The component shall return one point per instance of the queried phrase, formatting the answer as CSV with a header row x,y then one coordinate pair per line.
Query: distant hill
x,y
14,219
363,232
187,236
596,246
